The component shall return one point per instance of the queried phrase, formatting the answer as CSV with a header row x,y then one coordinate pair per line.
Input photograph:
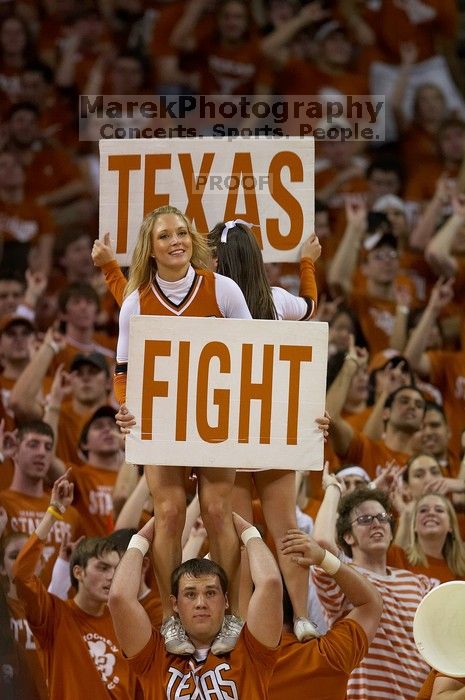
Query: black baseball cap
x,y
93,358
15,320
379,240
106,411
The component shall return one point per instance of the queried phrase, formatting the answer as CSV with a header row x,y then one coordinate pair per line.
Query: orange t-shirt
x,y
376,315
82,658
7,469
372,455
33,653
25,221
358,420
243,673
93,500
300,77
414,266
421,186
49,169
448,374
70,425
231,70
400,22
418,146
436,568
319,668
24,515
151,603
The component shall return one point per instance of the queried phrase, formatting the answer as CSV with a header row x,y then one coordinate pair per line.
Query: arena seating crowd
x,y
390,218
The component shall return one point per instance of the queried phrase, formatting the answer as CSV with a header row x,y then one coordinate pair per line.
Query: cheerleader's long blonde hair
x,y
453,550
143,265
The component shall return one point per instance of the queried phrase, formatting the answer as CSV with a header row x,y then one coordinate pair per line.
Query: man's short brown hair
x,y
89,548
198,568
39,427
77,290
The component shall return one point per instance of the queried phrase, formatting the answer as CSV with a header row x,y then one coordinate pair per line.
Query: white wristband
x,y
249,533
54,346
336,484
330,563
140,543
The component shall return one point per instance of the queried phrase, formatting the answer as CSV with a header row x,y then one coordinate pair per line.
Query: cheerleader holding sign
x,y
170,275
238,256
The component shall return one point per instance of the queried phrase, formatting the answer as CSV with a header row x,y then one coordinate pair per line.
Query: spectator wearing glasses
x,y
362,523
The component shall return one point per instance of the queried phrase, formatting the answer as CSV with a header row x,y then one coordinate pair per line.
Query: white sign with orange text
x,y
268,182
210,392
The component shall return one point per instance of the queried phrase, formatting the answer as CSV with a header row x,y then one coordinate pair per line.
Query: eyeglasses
x,y
367,519
385,255
23,332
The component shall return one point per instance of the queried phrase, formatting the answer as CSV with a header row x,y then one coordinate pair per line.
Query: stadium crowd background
x,y
391,277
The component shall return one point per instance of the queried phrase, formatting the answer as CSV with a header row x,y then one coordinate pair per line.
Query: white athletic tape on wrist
x,y
140,543
331,564
249,534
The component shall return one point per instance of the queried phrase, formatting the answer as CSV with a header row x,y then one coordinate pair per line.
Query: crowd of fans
x,y
390,219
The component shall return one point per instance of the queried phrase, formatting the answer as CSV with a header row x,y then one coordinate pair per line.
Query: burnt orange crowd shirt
x,y
243,674
81,654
